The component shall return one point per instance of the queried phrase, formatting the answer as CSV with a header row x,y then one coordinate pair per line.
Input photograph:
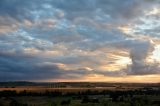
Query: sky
x,y
80,40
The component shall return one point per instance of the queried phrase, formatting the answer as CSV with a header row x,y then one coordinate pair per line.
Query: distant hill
x,y
18,83
75,84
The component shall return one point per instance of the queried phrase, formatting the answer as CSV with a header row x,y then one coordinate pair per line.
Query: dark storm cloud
x,y
15,64
18,66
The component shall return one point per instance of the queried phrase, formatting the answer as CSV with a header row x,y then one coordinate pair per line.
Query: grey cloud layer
x,y
31,10
37,34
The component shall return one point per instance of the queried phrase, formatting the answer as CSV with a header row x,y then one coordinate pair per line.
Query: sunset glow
x,y
80,40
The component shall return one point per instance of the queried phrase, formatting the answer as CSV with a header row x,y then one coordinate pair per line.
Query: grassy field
x,y
119,95
67,89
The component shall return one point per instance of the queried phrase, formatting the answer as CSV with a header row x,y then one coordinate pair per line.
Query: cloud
x,y
139,65
72,39
18,66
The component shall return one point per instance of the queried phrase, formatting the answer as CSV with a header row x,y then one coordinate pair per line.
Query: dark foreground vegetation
x,y
141,97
